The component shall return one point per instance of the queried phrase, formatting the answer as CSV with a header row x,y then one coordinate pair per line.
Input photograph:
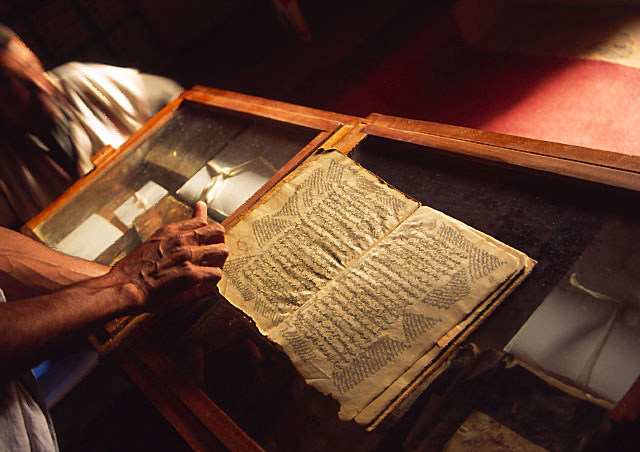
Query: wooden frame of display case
x,y
330,127
194,415
196,430
326,123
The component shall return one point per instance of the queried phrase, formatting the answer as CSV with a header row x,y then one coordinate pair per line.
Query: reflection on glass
x,y
220,156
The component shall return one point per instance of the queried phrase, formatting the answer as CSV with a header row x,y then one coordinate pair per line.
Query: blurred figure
x,y
53,122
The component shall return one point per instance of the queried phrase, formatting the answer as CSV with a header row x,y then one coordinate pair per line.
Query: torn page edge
x,y
375,419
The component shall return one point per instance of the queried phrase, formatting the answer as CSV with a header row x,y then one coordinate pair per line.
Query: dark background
x,y
239,45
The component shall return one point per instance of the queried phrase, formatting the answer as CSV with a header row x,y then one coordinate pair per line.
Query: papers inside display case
x,y
224,188
93,236
140,202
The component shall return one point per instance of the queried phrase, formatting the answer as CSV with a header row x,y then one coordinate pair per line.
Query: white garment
x,y
105,105
109,103
25,425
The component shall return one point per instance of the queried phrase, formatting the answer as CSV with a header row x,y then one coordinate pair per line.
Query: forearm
x,y
180,262
29,269
30,328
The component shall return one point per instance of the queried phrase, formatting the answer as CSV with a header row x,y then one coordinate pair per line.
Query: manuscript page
x,y
369,325
318,221
428,363
354,283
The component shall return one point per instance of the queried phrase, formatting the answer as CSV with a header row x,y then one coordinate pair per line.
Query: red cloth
x,y
582,102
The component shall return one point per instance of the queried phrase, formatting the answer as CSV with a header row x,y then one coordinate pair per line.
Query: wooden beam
x,y
580,163
179,390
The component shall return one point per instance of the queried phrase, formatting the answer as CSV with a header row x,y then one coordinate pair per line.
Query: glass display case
x,y
220,382
161,171
152,184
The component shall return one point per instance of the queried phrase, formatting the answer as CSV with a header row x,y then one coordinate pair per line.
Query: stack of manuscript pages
x,y
365,290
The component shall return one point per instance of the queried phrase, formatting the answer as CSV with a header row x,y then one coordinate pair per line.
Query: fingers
x,y
210,255
195,282
207,235
193,294
200,211
199,256
194,230
189,276
183,257
187,225
198,218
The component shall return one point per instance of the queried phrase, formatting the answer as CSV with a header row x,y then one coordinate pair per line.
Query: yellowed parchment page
x,y
352,281
428,363
409,380
322,218
371,323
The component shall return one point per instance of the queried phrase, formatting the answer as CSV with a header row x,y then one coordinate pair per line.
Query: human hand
x,y
178,264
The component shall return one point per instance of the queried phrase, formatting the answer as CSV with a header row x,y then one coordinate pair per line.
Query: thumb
x,y
200,211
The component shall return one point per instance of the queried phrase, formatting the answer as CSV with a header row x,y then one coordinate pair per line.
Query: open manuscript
x,y
362,287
